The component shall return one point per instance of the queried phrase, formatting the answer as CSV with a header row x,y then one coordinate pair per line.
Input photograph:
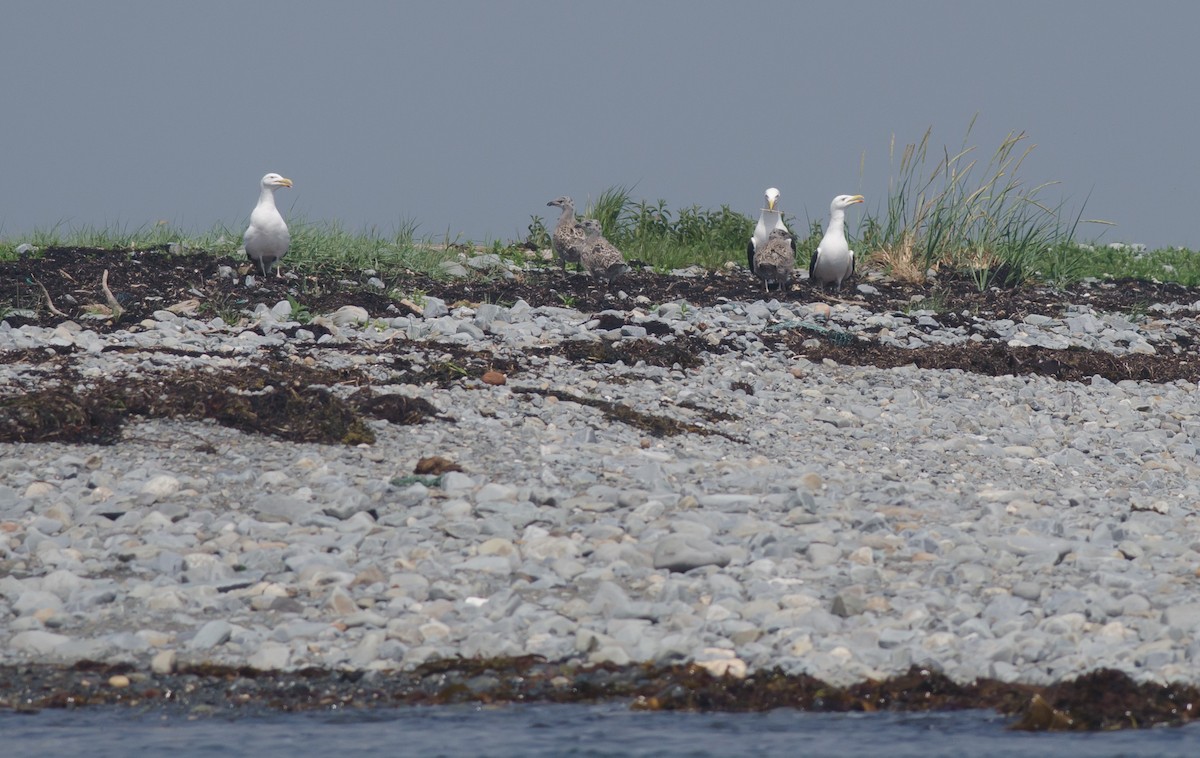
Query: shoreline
x,y
1102,700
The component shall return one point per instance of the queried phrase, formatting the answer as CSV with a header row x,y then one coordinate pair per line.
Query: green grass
x,y
315,246
946,211
669,239
1163,265
219,240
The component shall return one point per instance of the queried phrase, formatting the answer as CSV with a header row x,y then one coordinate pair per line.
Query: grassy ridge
x,y
944,211
664,239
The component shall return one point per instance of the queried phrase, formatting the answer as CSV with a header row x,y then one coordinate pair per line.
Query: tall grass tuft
x,y
986,223
610,209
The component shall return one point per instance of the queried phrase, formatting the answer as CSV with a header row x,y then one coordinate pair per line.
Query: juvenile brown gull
x,y
267,239
833,260
599,256
568,233
768,219
776,260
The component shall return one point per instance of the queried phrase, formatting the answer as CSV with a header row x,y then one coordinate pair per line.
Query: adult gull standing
x,y
833,260
770,218
267,239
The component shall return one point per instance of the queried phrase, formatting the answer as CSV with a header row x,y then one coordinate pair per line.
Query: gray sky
x,y
467,116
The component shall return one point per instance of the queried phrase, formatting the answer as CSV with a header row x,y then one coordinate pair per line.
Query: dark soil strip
x,y
685,352
712,415
426,362
1101,700
658,426
289,400
280,400
443,372
998,359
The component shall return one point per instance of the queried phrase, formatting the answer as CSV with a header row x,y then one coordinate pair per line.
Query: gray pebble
x,y
677,552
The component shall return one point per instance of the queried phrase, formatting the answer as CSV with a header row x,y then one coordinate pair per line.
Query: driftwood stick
x,y
835,299
50,302
113,305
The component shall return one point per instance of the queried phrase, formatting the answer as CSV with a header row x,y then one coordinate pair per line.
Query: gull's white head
x,y
562,202
275,180
772,197
842,202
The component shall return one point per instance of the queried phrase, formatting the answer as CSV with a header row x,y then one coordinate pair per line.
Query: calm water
x,y
560,730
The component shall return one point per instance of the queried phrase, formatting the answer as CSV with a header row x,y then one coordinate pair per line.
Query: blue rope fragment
x,y
839,337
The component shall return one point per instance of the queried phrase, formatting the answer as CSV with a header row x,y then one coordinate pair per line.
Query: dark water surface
x,y
559,730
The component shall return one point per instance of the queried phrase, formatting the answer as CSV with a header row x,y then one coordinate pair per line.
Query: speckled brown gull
x,y
568,234
833,260
599,256
266,239
776,260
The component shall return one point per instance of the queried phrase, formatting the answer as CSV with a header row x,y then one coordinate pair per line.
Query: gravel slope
x,y
844,521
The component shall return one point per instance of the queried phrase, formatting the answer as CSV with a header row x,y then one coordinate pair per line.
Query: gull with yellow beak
x,y
267,239
769,219
834,260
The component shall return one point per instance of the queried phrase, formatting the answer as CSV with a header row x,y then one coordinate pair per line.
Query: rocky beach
x,y
671,471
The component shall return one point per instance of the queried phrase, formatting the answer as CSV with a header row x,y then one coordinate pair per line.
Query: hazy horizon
x,y
466,117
